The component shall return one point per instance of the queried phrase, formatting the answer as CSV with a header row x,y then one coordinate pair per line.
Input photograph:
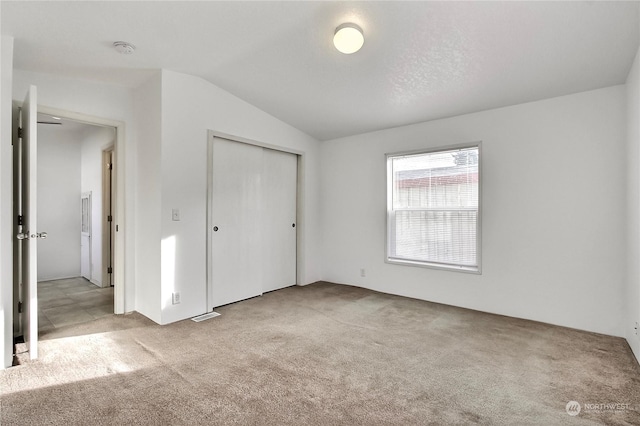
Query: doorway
x,y
25,227
117,204
71,287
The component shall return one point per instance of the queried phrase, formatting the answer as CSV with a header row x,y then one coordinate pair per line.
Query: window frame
x,y
389,197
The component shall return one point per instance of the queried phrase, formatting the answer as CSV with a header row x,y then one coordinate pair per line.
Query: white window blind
x,y
433,216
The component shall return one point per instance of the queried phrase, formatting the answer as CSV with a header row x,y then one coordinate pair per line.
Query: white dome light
x,y
348,38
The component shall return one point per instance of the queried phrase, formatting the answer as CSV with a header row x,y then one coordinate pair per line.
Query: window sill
x,y
430,265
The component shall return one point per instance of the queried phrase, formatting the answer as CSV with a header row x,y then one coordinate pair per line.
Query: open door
x,y
25,206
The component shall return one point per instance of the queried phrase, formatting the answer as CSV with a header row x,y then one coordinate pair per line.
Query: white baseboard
x,y
56,278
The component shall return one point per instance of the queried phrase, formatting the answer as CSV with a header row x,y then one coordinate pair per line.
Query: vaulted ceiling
x,y
420,61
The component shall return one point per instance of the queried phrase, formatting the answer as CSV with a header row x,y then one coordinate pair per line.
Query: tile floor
x,y
71,301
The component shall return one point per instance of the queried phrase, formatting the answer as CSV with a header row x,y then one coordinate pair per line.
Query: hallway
x,y
71,301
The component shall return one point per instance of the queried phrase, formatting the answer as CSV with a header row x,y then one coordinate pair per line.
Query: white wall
x,y
93,141
553,229
554,165
148,224
58,202
190,107
6,197
632,295
105,101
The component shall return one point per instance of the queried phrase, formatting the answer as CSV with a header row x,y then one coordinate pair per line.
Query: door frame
x,y
16,253
108,165
300,212
118,207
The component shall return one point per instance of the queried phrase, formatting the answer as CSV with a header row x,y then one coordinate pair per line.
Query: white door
x,y
279,188
28,232
252,226
85,236
236,248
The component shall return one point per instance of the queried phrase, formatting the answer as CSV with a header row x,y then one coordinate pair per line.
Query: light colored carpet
x,y
323,354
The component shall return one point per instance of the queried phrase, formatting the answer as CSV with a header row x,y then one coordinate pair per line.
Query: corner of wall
x,y
632,296
147,112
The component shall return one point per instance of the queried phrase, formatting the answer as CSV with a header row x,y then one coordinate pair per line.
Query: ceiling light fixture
x,y
348,38
124,47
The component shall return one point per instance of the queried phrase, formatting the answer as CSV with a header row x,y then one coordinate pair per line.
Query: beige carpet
x,y
324,355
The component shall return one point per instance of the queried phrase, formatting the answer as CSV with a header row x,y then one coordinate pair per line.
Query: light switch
x,y
175,214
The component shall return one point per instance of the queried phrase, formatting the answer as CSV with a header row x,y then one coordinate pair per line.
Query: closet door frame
x,y
300,216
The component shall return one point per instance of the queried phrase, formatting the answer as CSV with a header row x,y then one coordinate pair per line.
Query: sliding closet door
x,y
236,243
252,225
280,175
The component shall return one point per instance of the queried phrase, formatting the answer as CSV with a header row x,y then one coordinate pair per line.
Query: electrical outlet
x,y
175,298
363,273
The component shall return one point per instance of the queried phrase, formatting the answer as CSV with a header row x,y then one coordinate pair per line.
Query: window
x,y
86,213
433,215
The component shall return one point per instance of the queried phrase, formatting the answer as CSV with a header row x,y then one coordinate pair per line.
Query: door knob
x,y
215,229
42,235
23,236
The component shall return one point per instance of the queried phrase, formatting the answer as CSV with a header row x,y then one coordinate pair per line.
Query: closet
x,y
252,221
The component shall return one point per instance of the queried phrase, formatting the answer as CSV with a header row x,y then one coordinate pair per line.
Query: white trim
x,y
210,138
433,265
220,135
107,208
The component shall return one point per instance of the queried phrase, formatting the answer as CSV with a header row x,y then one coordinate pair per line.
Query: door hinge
x,y
19,307
110,166
109,218
20,132
20,220
109,270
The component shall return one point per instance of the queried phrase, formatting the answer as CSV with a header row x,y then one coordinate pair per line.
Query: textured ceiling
x,y
420,60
